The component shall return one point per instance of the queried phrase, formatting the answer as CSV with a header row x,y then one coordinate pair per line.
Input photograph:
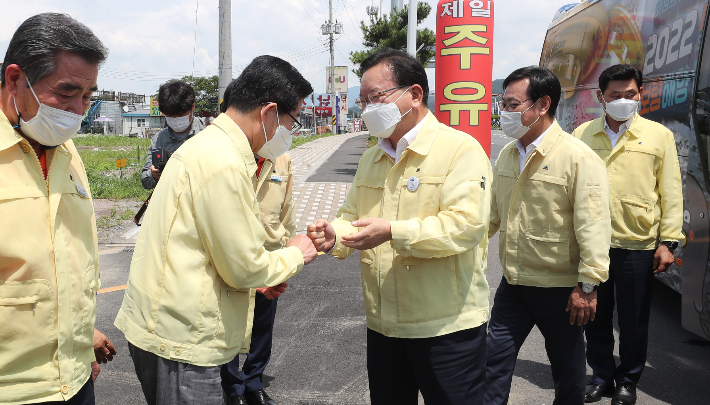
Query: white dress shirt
x,y
525,152
406,140
613,136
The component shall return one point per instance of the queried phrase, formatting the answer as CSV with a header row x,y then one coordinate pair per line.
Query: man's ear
x,y
13,74
545,103
599,97
417,95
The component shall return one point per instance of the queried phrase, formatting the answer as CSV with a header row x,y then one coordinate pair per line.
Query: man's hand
x,y
581,307
322,234
375,232
305,245
95,370
662,259
155,172
273,292
103,348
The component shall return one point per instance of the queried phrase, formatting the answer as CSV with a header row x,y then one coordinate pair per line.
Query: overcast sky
x,y
153,41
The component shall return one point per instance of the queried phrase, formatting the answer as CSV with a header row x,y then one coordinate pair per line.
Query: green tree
x,y
206,92
391,32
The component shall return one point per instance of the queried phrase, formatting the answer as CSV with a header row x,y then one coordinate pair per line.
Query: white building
x,y
141,123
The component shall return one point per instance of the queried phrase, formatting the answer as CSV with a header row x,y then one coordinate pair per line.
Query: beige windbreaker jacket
x,y
48,272
200,252
644,182
553,216
430,279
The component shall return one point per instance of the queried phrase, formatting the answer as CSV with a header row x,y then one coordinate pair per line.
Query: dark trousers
x,y
631,273
85,396
262,334
446,369
516,309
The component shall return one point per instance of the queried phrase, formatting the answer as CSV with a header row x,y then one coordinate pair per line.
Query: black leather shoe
x,y
625,394
238,400
259,397
596,392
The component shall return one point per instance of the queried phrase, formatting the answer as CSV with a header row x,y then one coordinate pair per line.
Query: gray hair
x,y
40,39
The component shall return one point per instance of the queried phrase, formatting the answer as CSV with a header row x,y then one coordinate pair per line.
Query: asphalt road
x,y
319,337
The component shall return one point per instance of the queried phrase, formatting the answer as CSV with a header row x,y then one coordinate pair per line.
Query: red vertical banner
x,y
464,67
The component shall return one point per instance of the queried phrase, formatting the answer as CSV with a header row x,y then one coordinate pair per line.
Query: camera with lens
x,y
160,158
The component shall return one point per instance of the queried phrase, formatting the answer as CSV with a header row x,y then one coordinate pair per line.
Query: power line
x,y
194,47
356,26
309,14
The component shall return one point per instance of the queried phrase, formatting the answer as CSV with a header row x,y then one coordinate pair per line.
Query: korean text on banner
x,y
464,67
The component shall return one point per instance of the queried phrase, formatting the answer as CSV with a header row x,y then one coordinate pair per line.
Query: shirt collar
x,y
623,128
534,144
405,141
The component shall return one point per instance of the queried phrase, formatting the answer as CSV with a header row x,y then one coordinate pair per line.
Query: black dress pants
x,y
447,369
235,383
631,274
516,309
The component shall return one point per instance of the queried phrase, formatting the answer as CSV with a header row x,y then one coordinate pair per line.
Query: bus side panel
x,y
662,38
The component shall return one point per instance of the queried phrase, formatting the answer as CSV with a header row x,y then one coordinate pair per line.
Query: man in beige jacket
x,y
49,252
200,251
418,212
551,204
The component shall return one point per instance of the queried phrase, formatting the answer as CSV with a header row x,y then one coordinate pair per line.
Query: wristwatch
x,y
587,288
670,244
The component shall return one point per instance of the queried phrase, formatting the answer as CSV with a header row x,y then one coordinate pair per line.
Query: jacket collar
x,y
236,134
425,137
548,142
8,136
635,130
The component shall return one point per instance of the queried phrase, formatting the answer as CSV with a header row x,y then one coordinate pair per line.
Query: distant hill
x,y
498,86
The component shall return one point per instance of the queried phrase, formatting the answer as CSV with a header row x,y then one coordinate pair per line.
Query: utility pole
x,y
332,63
412,29
330,29
225,46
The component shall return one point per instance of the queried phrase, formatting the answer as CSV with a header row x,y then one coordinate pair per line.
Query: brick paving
x,y
316,200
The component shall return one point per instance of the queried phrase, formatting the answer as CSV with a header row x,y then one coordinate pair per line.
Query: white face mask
x,y
381,119
621,109
51,126
179,124
512,123
279,144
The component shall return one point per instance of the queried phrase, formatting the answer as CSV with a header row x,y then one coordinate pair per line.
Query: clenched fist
x,y
322,235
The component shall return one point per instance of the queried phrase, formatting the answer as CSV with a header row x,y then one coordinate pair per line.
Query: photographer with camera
x,y
177,102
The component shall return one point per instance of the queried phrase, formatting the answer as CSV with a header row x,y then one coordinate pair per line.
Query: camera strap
x,y
141,211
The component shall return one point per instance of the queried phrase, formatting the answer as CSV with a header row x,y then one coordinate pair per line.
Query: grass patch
x,y
108,185
114,219
300,140
110,141
100,152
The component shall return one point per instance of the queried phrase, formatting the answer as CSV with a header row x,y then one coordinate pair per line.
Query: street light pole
x,y
412,29
225,46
